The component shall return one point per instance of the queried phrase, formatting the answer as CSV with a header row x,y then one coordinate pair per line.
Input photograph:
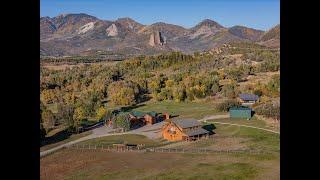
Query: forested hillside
x,y
88,92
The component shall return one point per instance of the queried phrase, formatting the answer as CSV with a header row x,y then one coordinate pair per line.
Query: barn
x,y
183,129
240,112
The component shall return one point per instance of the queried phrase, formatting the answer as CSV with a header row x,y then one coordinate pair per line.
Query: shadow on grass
x,y
210,128
60,136
143,98
173,116
129,108
252,113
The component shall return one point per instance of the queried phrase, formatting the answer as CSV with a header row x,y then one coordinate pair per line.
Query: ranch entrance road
x,y
151,131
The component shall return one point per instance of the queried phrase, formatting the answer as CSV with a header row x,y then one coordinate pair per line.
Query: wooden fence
x,y
110,148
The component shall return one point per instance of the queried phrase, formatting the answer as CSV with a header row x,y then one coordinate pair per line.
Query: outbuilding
x,y
248,99
240,112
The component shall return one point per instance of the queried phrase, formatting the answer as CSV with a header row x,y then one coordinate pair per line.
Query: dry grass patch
x,y
75,164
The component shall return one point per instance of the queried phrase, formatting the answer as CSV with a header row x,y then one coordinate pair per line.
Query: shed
x,y
240,112
251,98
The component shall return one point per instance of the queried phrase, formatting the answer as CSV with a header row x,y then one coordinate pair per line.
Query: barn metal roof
x,y
141,114
185,123
239,108
248,97
198,131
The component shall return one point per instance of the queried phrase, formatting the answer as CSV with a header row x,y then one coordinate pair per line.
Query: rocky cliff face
x,y
156,39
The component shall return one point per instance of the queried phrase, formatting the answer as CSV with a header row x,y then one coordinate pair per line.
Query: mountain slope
x,y
246,33
73,34
271,38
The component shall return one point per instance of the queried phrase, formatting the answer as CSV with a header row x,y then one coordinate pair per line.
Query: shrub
x,y
229,90
257,92
224,106
269,110
122,121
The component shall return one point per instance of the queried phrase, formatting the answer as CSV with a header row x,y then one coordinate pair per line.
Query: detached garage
x,y
240,112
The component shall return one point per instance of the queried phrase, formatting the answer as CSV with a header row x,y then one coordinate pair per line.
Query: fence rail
x,y
109,148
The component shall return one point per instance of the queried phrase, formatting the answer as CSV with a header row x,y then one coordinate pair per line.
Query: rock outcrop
x,y
156,39
112,30
86,28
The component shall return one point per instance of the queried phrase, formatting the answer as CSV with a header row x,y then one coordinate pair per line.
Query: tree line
x,y
70,96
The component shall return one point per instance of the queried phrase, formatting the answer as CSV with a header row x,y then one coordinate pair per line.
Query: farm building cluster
x,y
138,119
244,111
187,129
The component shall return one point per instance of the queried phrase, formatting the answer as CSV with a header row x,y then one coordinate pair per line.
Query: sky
x,y
258,14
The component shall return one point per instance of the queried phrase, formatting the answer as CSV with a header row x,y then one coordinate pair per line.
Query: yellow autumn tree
x,y
78,116
100,113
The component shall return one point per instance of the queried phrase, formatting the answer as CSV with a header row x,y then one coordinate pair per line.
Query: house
x,y
183,129
240,112
248,99
146,118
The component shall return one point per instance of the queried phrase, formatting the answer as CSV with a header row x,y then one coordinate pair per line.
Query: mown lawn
x,y
254,121
182,109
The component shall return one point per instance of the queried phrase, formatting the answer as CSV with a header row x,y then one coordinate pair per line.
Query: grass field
x,y
229,137
254,121
73,164
182,109
76,164
127,138
66,139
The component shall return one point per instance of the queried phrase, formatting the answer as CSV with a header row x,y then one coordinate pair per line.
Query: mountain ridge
x,y
72,34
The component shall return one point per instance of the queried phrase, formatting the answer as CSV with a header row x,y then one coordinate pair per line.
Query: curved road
x,y
224,116
149,131
98,132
